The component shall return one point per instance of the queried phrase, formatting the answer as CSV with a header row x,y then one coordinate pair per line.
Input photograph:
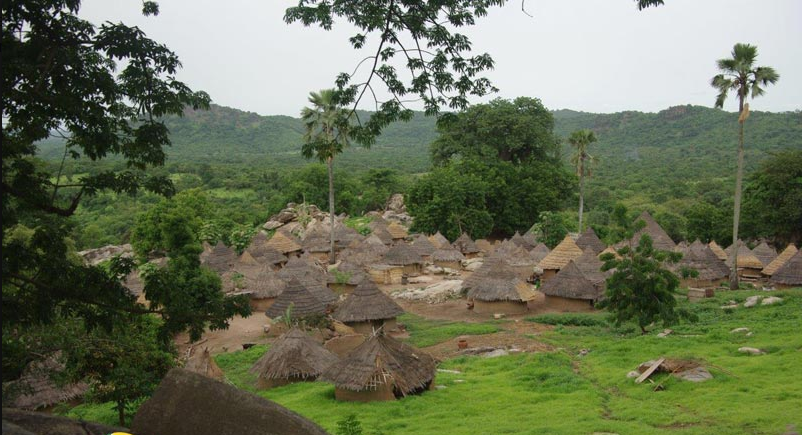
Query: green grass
x,y
563,393
359,223
570,319
424,332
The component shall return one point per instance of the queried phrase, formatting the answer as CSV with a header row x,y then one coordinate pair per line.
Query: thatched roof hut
x,y
381,368
717,250
589,239
566,251
701,258
438,240
304,302
660,239
465,244
517,258
526,243
790,273
423,246
313,277
397,231
500,291
402,254
590,266
746,259
284,243
293,357
382,234
447,255
347,275
203,364
221,259
775,264
266,284
36,390
539,252
730,248
571,283
764,253
484,246
368,306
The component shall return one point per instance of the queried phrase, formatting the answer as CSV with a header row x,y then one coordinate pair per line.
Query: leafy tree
x,y
350,425
740,74
706,222
515,131
550,229
327,132
641,288
773,206
583,161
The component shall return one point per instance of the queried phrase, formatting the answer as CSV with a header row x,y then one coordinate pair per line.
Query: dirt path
x,y
241,330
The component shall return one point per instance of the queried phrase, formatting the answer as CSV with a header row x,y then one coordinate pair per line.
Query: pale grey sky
x,y
590,55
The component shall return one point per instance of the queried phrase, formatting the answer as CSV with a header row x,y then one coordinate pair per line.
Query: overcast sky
x,y
589,55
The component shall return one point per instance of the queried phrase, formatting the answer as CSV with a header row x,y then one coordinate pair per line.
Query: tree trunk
x,y
736,218
121,413
581,192
332,219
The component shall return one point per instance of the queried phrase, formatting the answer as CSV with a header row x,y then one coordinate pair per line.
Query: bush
x,y
569,319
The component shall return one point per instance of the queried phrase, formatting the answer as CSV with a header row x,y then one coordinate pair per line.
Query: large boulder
x,y
396,204
93,257
186,403
20,422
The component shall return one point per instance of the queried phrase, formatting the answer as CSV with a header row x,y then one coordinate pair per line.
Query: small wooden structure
x,y
368,310
294,357
765,253
748,266
499,290
304,302
311,275
397,231
566,251
264,288
571,290
711,271
401,254
423,247
448,257
386,274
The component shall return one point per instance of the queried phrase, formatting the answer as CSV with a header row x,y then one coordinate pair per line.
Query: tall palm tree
x,y
327,130
583,161
739,74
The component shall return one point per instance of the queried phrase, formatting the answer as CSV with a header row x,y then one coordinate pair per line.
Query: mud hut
x,y
304,303
294,357
712,271
660,239
748,266
765,253
386,274
720,254
590,265
264,288
775,264
317,245
401,254
221,259
789,274
448,257
571,290
201,362
311,275
438,240
517,258
367,310
381,369
35,390
423,246
589,239
465,244
499,290
284,243
566,251
264,254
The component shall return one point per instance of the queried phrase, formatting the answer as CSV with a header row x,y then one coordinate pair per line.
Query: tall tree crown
x,y
739,74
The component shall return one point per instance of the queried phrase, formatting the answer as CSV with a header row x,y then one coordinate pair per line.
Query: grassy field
x,y
565,393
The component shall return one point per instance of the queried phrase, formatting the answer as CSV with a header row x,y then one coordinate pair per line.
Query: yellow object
x,y
120,433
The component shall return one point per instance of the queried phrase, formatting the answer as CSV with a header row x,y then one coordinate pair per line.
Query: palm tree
x,y
739,74
327,130
583,161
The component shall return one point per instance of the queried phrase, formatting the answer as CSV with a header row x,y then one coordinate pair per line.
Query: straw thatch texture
x,y
203,364
515,255
353,270
304,302
422,245
589,239
571,283
489,265
590,266
447,254
438,240
382,360
402,254
746,259
717,250
293,355
283,242
386,274
484,246
539,252
701,258
266,284
221,259
729,249
765,253
786,254
660,239
313,277
498,282
316,241
396,230
566,251
790,273
367,303
465,244
265,254
526,243
382,234
35,389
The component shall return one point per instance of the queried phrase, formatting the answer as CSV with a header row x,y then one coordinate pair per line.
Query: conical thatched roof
x,y
247,266
422,245
746,259
590,266
465,245
522,241
566,251
266,284
539,252
382,234
378,222
313,277
283,242
489,264
382,360
293,355
589,239
499,283
531,240
717,250
438,240
700,257
514,254
571,283
201,362
447,254
609,250
402,254
35,389
258,239
221,259
732,246
789,273
660,239
304,302
317,240
396,230
775,264
765,253
484,246
353,269
366,303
